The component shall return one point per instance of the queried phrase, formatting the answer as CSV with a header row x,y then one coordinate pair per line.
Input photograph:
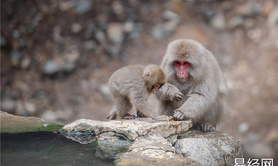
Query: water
x,y
47,149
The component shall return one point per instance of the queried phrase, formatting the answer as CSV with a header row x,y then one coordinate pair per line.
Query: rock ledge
x,y
160,142
130,128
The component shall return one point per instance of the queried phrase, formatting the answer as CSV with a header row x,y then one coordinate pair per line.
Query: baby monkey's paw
x,y
178,96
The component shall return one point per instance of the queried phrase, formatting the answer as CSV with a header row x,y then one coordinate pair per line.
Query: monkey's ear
x,y
147,73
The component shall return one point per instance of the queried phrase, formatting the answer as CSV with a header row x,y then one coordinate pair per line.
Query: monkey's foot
x,y
141,114
128,117
205,127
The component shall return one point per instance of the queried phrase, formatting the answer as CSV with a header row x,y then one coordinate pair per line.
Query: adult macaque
x,y
132,85
192,70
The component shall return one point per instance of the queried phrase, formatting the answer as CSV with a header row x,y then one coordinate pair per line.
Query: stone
x,y
114,137
235,22
110,144
64,114
250,8
117,7
151,142
101,38
170,15
255,34
154,157
218,22
49,116
16,57
272,19
22,43
159,141
57,34
81,137
8,104
2,41
71,56
267,7
82,6
115,50
153,150
20,109
160,32
130,128
243,127
17,124
16,33
90,45
69,61
104,90
26,62
65,63
213,148
30,107
90,30
50,67
76,27
135,32
64,6
257,148
68,67
128,26
163,30
115,33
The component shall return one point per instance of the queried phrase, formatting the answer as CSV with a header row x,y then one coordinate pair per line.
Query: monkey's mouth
x,y
155,88
182,79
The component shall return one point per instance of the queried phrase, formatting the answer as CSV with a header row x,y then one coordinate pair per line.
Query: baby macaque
x,y
132,85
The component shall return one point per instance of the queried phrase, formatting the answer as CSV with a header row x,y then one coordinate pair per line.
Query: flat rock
x,y
154,157
153,150
130,128
213,148
159,141
17,124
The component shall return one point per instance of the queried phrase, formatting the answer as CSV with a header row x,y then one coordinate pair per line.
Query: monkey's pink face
x,y
182,67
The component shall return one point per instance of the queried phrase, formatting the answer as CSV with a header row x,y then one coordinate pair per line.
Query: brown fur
x,y
132,85
204,89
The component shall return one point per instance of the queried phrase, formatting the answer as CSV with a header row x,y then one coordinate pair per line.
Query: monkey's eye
x,y
177,63
186,63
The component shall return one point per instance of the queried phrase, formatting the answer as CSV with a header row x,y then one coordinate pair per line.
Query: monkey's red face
x,y
182,67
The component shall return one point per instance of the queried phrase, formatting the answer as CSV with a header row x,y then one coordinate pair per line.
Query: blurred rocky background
x,y
57,56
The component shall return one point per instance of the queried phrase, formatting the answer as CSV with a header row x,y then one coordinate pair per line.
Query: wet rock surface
x,y
162,141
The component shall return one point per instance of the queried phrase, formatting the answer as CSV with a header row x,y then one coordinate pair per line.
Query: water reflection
x,y
45,148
